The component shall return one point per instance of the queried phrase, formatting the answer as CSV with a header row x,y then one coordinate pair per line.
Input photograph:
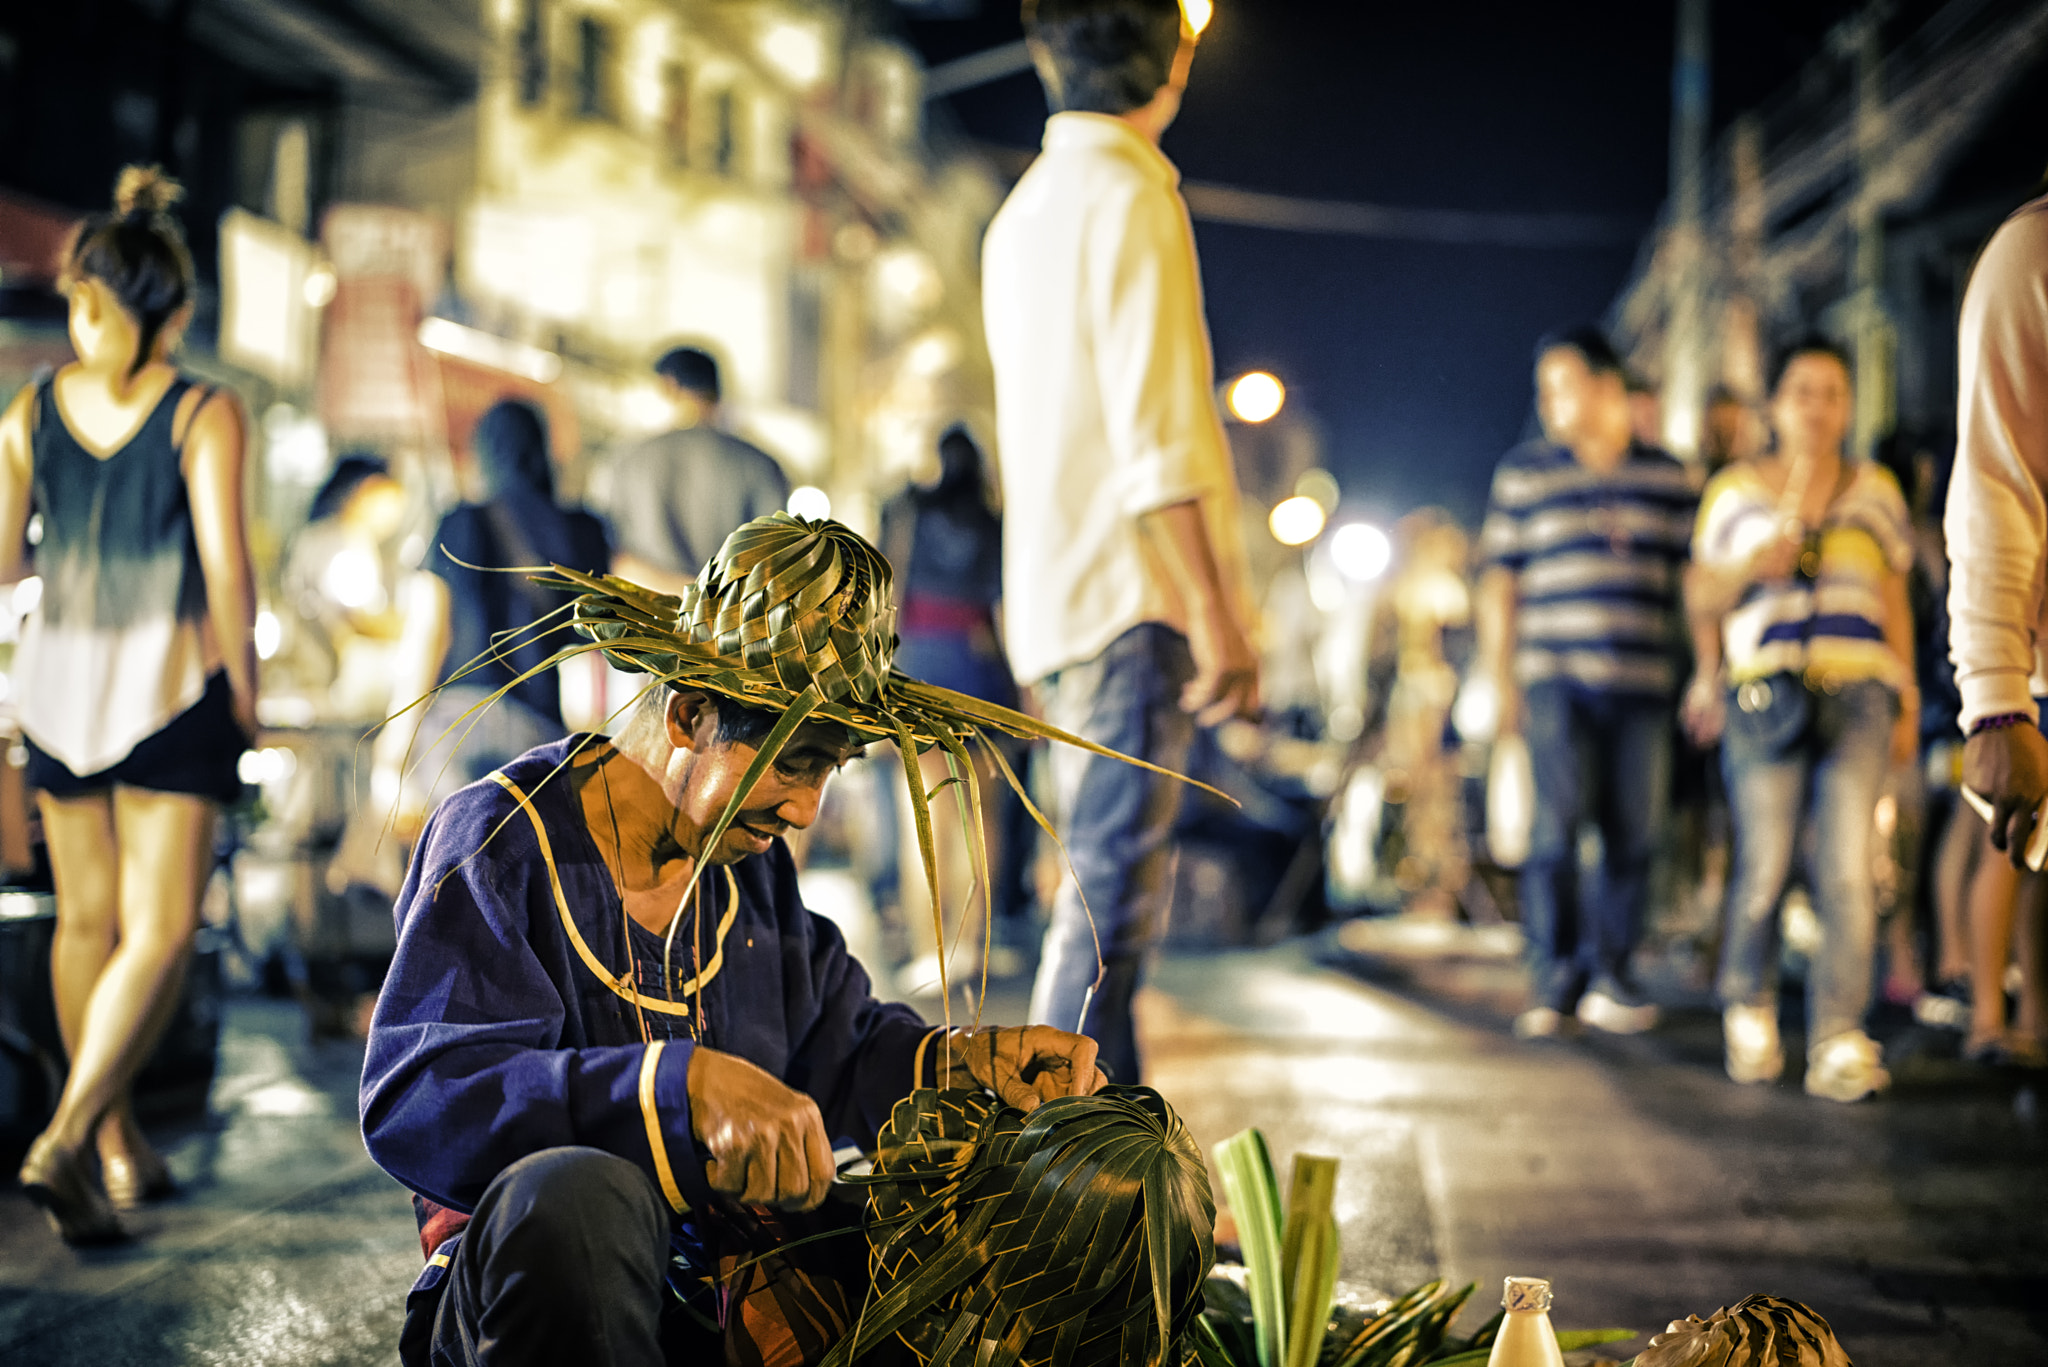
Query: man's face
x,y
1571,400
704,772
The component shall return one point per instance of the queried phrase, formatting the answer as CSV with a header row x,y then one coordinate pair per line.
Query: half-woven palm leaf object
x,y
1076,1236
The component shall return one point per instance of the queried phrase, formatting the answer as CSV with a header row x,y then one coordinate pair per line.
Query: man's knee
x,y
558,1200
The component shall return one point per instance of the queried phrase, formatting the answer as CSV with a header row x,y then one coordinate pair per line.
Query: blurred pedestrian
x,y
1124,593
464,608
137,675
1799,590
341,580
1584,540
674,498
1998,590
946,544
1645,410
1727,432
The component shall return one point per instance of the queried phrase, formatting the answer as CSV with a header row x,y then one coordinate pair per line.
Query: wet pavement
x,y
1628,1171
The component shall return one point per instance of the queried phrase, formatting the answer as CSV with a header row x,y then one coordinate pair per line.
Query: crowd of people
x,y
549,1073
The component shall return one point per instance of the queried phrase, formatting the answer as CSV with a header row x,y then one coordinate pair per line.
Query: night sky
x,y
1413,358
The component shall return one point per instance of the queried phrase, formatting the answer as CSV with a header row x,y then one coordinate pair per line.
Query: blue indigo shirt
x,y
507,1025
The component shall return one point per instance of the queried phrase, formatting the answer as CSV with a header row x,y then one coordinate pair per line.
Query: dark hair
x,y
961,481
350,473
1104,56
138,252
1592,345
510,442
738,724
690,368
1812,344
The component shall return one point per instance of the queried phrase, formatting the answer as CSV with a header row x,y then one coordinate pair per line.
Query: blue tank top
x,y
120,642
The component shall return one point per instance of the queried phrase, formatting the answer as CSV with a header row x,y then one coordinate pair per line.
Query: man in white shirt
x,y
1997,524
1123,578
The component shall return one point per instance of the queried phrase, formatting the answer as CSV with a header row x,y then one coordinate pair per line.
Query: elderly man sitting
x,y
615,1054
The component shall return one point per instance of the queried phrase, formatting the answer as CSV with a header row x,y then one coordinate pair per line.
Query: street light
x,y
1296,521
1361,552
1256,397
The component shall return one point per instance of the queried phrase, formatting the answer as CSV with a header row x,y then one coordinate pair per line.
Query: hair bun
x,y
144,190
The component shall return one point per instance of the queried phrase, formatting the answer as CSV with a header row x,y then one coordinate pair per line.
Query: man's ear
x,y
691,720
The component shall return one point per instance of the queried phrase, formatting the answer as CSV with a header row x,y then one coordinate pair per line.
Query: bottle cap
x,y
1525,1294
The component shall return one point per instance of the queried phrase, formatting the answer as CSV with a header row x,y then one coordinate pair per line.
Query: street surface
x,y
1627,1171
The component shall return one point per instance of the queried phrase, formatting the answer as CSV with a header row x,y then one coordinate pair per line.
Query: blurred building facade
x,y
1854,202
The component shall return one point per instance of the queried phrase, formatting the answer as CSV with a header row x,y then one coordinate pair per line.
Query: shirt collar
x,y
1076,130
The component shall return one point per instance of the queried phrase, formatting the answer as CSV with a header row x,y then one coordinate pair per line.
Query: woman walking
x,y
137,675
1799,584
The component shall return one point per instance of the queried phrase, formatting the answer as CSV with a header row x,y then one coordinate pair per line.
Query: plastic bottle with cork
x,y
1526,1338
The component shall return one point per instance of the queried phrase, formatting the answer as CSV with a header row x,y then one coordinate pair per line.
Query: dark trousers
x,y
1605,756
563,1261
566,1260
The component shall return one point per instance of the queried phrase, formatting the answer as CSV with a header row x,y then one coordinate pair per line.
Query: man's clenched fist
x,y
767,1142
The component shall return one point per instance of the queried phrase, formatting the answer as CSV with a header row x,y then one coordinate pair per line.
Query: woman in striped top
x,y
1798,588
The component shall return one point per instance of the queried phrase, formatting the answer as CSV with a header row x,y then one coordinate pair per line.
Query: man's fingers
x,y
818,1157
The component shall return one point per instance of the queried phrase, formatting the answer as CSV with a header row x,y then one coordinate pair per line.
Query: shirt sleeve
x,y
1501,544
1152,353
1997,518
465,1072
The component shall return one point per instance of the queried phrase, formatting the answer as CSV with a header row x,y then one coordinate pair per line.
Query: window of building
x,y
531,57
675,112
724,131
594,62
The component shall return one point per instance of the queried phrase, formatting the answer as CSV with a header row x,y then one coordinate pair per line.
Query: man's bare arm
x,y
1498,600
1226,682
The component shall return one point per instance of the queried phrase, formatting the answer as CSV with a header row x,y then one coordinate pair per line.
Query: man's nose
x,y
799,805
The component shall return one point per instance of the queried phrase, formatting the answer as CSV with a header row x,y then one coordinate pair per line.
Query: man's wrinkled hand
x,y
2008,767
1026,1065
767,1141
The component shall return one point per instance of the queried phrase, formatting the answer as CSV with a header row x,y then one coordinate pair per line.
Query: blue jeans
x,y
1116,821
1606,756
1834,770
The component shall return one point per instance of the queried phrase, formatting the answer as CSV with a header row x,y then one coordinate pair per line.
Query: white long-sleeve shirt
x,y
1105,403
1997,519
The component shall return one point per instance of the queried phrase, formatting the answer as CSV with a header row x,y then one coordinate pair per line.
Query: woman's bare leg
x,y
1993,890
2031,930
1953,869
80,833
165,850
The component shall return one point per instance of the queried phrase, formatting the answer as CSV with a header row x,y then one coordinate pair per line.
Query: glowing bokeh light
x,y
1198,14
1257,396
1296,521
809,501
1361,552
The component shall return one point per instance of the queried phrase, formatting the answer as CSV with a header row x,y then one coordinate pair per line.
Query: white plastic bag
x,y
1510,801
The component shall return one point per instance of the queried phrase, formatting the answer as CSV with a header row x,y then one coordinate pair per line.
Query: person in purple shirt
x,y
613,1063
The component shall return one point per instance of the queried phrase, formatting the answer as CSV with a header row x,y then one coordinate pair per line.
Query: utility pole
x,y
1875,340
1684,389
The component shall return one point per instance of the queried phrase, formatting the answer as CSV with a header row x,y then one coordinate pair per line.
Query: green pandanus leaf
x,y
1247,1171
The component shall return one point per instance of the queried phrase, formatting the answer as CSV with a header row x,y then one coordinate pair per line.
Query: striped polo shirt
x,y
1829,621
1597,559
